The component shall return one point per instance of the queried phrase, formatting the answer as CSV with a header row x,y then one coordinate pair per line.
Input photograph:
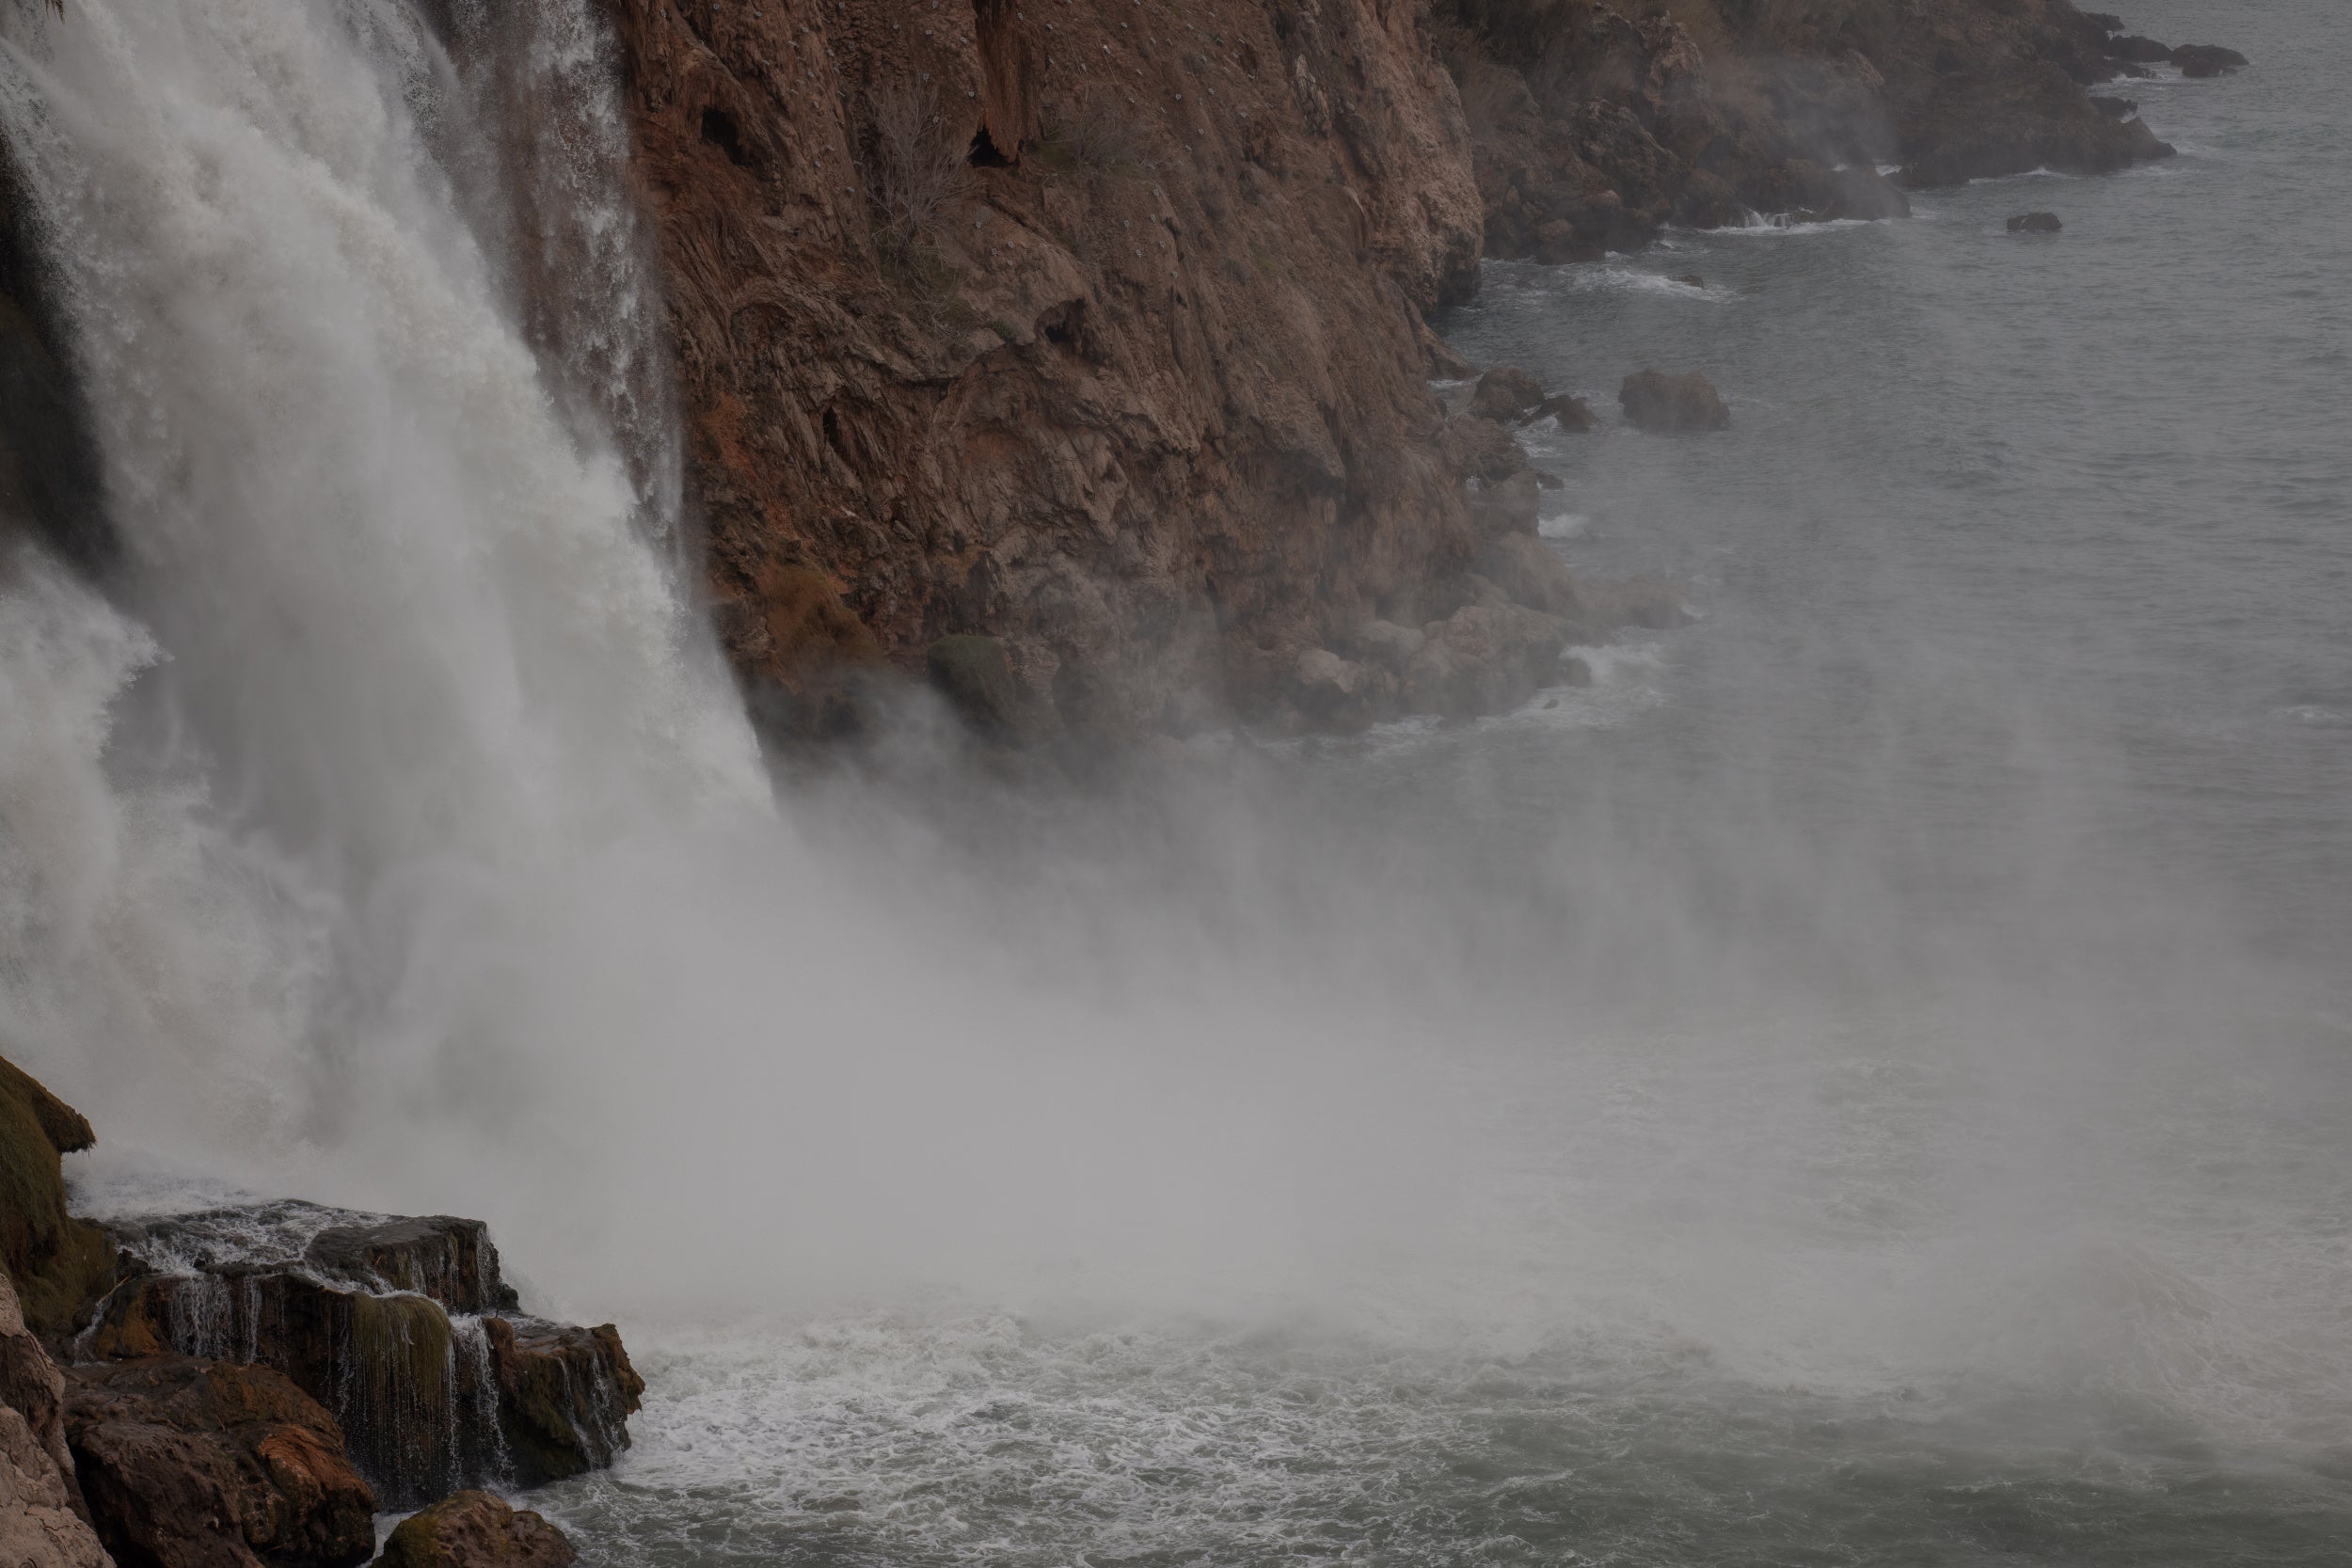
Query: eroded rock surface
x,y
474,1529
192,1463
44,1520
402,1328
57,1262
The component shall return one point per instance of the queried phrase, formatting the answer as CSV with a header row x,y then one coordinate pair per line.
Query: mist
x,y
387,832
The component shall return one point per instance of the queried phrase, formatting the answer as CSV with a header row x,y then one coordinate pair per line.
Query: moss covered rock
x,y
59,1263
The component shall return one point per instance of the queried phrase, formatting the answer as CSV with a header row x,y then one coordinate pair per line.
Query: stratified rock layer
x,y
402,1328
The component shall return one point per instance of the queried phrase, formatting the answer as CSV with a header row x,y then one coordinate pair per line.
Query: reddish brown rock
x,y
1672,404
44,1520
1504,394
402,1328
1572,413
192,1463
474,1529
1146,364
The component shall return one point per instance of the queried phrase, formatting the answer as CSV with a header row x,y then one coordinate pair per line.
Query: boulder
x,y
474,1529
1388,644
60,1264
1655,401
564,1394
2035,223
1560,241
1484,658
1480,448
2138,49
1504,393
1573,413
44,1520
1531,572
2116,108
1575,671
192,1463
2207,59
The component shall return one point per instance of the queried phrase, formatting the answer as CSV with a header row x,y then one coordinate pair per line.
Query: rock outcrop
x,y
402,1328
1094,330
191,1464
1594,128
44,1522
2035,223
1092,333
58,1263
474,1529
1672,404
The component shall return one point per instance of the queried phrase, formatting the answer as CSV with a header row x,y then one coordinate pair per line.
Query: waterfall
x,y
398,630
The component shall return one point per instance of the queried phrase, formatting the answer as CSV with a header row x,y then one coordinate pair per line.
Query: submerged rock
x,y
1655,401
1573,413
192,1463
2207,59
2035,223
474,1529
44,1522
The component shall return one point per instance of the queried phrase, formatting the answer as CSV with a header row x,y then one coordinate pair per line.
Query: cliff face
x,y
1095,329
1594,129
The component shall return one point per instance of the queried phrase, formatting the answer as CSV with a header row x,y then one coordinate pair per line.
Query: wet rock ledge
x,y
248,1386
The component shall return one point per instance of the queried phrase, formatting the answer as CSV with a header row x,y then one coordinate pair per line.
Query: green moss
x,y
60,1264
394,1395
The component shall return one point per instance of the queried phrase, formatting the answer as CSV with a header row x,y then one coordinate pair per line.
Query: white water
x,y
387,833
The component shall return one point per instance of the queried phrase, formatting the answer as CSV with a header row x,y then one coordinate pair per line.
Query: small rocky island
x,y
250,1385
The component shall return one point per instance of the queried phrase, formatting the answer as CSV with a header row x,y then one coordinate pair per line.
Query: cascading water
x,y
398,610
1811,1093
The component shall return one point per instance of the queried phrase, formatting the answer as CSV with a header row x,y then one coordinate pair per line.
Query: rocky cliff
x,y
241,1387
1095,330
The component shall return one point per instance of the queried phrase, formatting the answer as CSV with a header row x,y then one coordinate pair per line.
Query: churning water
x,y
1869,1081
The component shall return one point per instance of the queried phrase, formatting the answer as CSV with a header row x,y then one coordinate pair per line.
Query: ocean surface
x,y
1897,1033
1865,1082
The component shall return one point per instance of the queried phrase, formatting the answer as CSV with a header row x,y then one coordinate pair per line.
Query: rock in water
x,y
1573,413
1504,393
402,1328
474,1529
2207,59
2035,223
44,1520
193,1464
2138,49
1670,404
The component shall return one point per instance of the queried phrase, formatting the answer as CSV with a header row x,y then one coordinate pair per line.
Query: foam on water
x,y
1791,1097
